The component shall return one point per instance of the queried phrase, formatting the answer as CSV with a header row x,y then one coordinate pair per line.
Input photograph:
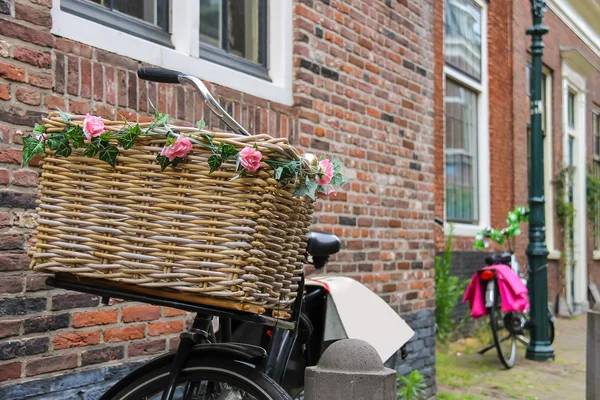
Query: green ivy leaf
x,y
312,188
105,137
75,136
31,148
214,162
128,140
227,151
64,116
278,172
93,148
163,161
176,161
210,144
201,124
39,130
135,130
64,149
54,140
109,155
161,119
170,141
301,190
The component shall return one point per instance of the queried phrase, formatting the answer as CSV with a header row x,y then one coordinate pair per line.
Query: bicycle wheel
x,y
504,338
207,379
524,336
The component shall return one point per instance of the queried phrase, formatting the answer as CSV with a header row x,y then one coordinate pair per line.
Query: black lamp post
x,y
539,348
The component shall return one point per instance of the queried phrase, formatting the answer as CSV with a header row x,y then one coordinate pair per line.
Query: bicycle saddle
x,y
498,258
322,244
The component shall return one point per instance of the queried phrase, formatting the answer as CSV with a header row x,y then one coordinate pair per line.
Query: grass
x,y
452,396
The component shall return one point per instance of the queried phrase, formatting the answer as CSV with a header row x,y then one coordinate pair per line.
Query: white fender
x,y
355,312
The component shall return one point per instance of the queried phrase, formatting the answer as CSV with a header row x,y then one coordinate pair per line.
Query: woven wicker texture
x,y
185,230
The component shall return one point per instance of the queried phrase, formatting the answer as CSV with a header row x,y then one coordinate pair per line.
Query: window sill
x,y
463,229
184,56
596,255
554,255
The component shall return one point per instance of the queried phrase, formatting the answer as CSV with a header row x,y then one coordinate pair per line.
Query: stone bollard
x,y
593,354
350,369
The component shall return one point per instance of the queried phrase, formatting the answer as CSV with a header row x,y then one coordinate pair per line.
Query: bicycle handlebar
x,y
170,76
159,75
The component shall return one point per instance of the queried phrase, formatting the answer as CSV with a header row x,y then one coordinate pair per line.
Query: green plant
x,y
514,220
413,387
565,216
593,195
448,289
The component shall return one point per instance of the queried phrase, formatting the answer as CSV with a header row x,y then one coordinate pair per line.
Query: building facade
x,y
485,123
351,78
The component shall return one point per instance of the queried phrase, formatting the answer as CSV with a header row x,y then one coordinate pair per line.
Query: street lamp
x,y
539,348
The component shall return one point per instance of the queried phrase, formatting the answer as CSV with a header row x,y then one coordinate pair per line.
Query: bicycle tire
x,y
496,315
242,376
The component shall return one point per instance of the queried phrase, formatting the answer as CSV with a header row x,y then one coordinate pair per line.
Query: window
x,y
466,124
148,19
461,153
571,109
233,33
596,169
462,40
245,45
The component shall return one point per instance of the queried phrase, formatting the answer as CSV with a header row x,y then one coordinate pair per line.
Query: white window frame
x,y
595,111
483,139
575,82
185,20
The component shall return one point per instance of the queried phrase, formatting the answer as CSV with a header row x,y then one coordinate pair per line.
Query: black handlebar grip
x,y
158,75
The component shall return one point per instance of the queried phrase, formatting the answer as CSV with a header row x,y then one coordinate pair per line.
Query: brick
x,y
14,262
126,333
46,323
98,81
163,328
35,15
31,35
116,60
4,91
33,57
76,339
22,348
72,75
79,107
59,73
11,240
122,88
147,347
140,313
25,219
50,364
36,282
12,72
86,79
41,80
21,305
47,3
9,155
92,318
73,300
172,312
11,284
9,328
104,111
10,371
4,219
110,85
18,116
71,47
29,96
53,102
102,355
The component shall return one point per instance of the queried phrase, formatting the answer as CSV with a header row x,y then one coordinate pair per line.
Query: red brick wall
x,y
363,89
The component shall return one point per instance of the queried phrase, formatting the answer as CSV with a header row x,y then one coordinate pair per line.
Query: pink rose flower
x,y
179,148
325,172
92,126
250,159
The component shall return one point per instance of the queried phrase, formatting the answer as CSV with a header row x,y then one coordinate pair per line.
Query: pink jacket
x,y
512,292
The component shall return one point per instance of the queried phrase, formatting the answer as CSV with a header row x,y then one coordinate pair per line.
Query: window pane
x,y
596,134
151,11
571,109
234,26
461,153
462,40
210,22
596,172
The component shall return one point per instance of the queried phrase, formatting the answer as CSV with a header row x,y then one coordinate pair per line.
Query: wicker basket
x,y
186,230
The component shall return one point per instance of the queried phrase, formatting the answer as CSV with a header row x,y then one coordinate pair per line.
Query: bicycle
x,y
517,325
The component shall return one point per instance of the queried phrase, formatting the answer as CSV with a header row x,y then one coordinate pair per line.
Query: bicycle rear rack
x,y
70,282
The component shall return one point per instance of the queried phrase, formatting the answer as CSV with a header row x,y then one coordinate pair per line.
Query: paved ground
x,y
462,374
